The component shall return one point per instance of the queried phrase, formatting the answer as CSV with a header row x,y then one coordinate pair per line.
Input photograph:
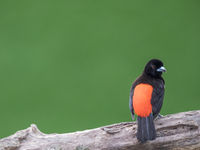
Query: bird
x,y
146,99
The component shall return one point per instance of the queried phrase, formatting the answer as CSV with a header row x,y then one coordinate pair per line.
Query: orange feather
x,y
142,99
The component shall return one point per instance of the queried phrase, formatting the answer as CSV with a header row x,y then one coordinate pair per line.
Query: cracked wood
x,y
175,131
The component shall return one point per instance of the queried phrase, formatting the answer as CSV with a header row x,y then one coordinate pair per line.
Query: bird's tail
x,y
146,129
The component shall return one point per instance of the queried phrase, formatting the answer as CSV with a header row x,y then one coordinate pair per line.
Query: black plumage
x,y
151,75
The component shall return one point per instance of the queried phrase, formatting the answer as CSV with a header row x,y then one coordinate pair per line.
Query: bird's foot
x,y
159,116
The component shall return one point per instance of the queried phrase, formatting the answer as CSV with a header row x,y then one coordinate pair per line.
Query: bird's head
x,y
154,68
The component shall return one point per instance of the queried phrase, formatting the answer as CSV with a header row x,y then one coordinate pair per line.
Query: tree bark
x,y
176,131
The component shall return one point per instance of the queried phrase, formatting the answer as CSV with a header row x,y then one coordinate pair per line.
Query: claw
x,y
159,116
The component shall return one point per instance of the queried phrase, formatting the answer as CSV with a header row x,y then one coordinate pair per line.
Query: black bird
x,y
146,99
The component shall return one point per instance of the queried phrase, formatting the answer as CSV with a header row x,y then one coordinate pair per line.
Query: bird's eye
x,y
153,66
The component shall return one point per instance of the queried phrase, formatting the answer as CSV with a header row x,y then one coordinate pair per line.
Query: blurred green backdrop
x,y
68,65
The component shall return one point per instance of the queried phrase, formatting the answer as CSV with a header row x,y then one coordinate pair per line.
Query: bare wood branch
x,y
176,131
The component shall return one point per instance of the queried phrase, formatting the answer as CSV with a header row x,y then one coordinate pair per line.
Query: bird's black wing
x,y
157,98
131,102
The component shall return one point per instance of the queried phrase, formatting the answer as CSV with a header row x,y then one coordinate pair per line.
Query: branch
x,y
176,131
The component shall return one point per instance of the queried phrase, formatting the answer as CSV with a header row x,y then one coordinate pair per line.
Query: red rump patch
x,y
142,99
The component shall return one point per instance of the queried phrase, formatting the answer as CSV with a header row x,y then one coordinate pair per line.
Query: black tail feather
x,y
146,129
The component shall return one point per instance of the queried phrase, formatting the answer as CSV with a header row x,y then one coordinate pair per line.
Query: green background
x,y
68,65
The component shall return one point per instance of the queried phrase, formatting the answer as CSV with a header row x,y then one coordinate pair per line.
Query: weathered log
x,y
176,131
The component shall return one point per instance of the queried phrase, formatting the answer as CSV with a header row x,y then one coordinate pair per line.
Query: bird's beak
x,y
161,69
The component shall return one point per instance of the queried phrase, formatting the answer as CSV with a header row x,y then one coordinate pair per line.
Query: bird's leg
x,y
132,116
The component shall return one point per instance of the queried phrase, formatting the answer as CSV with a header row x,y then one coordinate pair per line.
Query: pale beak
x,y
161,69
